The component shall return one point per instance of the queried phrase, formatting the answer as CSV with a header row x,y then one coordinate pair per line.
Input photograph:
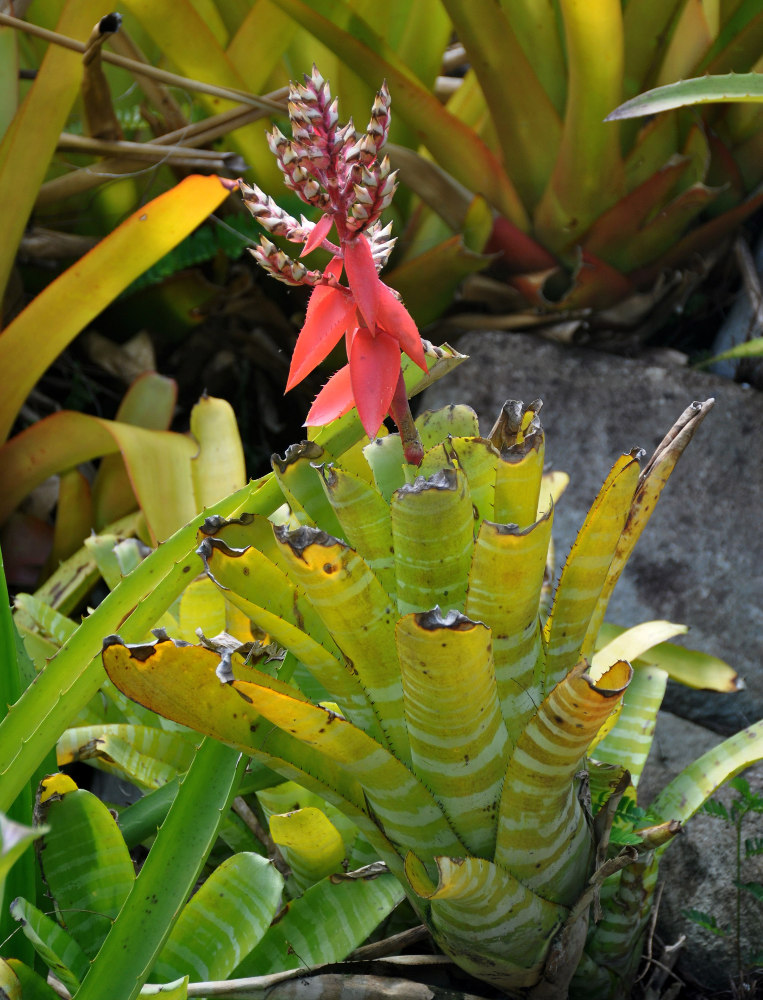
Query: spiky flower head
x,y
332,168
329,166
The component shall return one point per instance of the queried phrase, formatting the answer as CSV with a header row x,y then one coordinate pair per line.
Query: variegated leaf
x,y
457,735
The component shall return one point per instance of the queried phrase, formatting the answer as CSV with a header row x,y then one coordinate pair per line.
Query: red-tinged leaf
x,y
393,318
333,401
330,313
612,234
520,251
362,276
374,370
318,235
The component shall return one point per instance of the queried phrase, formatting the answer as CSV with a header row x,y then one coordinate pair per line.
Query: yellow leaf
x,y
52,320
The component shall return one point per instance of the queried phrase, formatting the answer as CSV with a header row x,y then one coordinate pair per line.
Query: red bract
x,y
331,167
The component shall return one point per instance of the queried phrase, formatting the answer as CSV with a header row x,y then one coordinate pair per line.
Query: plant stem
x,y
400,411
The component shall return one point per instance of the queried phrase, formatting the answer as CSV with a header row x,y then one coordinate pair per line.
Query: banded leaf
x,y
428,572
223,920
148,756
628,743
264,593
687,792
180,683
325,924
486,919
543,833
404,808
296,476
19,982
360,617
455,420
520,441
651,483
88,885
586,571
505,582
364,516
58,949
457,735
690,667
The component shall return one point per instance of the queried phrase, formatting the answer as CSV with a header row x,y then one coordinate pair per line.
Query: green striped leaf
x,y
691,667
688,791
88,884
325,924
455,420
477,459
271,600
629,741
359,615
504,591
301,486
60,952
543,834
148,756
223,921
386,461
364,517
457,735
404,808
586,571
487,920
520,441
428,571
615,940
19,982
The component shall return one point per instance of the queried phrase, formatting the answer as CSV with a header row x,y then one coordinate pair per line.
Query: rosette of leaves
x,y
488,751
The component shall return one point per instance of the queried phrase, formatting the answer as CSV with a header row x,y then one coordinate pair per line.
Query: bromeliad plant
x,y
488,751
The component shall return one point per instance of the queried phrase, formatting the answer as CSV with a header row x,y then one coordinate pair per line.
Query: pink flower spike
x,y
318,235
333,401
361,274
374,369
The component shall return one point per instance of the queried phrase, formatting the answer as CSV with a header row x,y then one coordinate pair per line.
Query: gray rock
x,y
699,868
700,561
